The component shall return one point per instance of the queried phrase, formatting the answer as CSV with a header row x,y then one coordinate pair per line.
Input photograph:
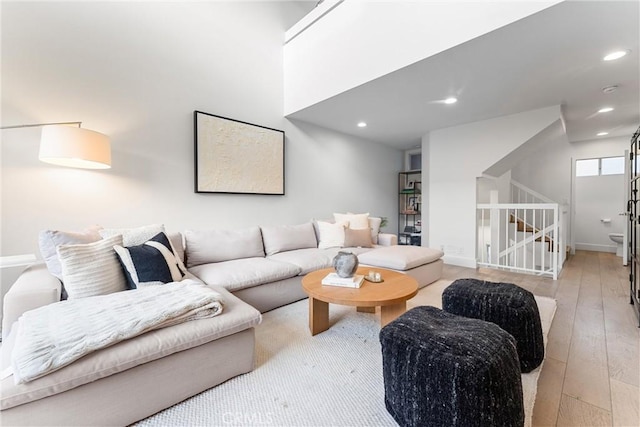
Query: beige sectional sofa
x,y
254,269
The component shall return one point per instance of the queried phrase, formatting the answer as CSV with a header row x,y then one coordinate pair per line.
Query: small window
x,y
604,166
587,167
612,166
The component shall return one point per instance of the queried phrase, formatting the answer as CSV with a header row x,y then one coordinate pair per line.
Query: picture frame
x,y
412,204
236,157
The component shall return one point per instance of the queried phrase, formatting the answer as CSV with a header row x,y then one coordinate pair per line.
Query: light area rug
x,y
331,379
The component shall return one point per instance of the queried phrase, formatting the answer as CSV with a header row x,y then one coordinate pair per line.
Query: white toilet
x,y
618,238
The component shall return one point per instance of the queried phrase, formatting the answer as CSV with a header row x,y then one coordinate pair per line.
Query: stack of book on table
x,y
332,279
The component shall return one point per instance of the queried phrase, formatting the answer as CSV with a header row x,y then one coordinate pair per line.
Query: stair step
x,y
526,228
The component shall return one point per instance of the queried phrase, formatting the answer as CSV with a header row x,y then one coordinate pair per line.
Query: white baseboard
x,y
595,248
460,261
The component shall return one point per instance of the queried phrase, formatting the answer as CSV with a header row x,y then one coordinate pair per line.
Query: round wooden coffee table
x,y
391,296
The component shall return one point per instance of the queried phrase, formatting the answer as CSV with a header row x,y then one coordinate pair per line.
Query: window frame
x,y
599,160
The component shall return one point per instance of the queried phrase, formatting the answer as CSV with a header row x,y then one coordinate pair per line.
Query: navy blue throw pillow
x,y
152,263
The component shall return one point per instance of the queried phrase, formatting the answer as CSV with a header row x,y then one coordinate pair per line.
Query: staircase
x,y
523,227
526,235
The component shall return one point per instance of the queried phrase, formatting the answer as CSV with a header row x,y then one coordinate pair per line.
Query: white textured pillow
x,y
331,235
133,236
356,221
92,268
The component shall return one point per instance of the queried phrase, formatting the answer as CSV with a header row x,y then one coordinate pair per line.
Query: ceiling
x,y
553,57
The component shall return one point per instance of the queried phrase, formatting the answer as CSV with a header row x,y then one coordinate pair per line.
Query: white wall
x,y
597,198
359,41
605,198
136,71
457,157
549,173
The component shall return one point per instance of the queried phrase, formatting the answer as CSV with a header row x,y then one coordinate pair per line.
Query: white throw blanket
x,y
55,335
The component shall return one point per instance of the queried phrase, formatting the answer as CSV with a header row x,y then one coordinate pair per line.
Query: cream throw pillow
x,y
356,221
331,235
92,269
373,224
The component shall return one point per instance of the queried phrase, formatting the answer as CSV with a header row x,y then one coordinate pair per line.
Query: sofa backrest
x,y
288,237
203,247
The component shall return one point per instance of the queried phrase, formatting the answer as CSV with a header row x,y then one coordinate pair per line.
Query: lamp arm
x,y
41,124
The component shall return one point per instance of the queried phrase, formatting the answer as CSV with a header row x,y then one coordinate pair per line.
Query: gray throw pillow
x,y
49,240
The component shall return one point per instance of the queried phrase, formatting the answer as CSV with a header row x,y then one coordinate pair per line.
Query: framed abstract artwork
x,y
232,156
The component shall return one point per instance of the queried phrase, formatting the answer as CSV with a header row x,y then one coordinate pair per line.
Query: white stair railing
x,y
526,235
523,194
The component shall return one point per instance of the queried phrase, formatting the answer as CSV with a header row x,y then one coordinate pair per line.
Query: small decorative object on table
x,y
345,264
374,277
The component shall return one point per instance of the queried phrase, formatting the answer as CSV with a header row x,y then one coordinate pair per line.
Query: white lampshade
x,y
75,147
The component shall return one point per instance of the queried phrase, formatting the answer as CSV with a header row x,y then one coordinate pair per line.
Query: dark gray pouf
x,y
509,306
445,370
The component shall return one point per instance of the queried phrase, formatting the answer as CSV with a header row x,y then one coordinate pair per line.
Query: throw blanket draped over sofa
x,y
55,335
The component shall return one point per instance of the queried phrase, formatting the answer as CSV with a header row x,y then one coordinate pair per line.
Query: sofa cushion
x,y
400,258
204,247
49,240
237,316
92,268
332,252
152,263
243,273
307,260
288,237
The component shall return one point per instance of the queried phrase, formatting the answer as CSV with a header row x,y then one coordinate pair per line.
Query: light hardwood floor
x,y
591,374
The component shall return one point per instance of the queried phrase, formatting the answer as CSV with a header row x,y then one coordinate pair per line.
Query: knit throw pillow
x,y
91,269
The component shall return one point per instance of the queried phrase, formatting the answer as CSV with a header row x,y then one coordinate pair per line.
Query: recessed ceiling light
x,y
602,133
616,55
605,110
451,100
362,125
610,89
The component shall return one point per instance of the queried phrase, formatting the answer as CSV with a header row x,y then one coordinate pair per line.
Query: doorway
x,y
598,205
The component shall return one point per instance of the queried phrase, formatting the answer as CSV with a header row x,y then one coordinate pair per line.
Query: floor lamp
x,y
72,146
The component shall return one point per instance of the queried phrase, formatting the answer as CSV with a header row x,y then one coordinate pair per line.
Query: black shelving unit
x,y
410,208
634,224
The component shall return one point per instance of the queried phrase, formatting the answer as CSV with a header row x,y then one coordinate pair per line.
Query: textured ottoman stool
x,y
509,306
440,369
